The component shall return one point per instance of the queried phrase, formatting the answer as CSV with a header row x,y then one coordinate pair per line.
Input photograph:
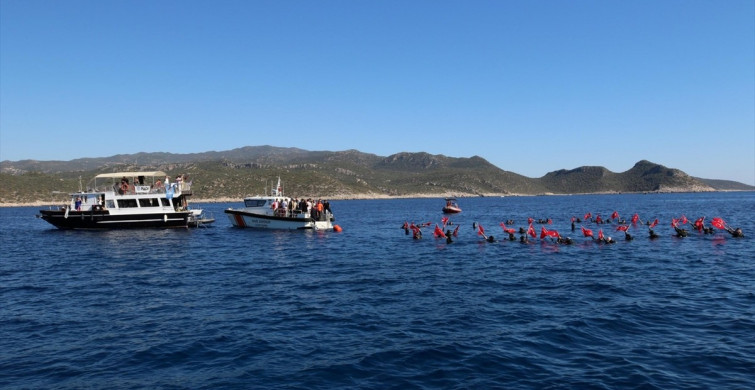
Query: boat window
x,y
125,203
110,204
149,202
254,202
165,202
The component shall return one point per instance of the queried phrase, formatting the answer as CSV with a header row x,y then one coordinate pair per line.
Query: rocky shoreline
x,y
368,196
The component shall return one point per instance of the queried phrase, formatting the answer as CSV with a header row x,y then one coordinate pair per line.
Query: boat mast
x,y
278,191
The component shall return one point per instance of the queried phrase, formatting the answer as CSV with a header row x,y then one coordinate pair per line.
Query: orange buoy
x,y
337,228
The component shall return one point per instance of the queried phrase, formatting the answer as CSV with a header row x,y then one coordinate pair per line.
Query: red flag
x,y
587,216
548,233
456,231
683,220
444,220
480,230
635,218
600,234
699,225
718,222
652,225
438,232
550,221
531,231
674,222
622,228
598,219
615,215
530,220
573,219
587,232
507,230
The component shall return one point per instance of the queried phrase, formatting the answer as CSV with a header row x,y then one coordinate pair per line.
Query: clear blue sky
x,y
531,86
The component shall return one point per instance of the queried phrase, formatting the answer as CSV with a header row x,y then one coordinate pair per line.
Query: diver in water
x,y
735,232
680,232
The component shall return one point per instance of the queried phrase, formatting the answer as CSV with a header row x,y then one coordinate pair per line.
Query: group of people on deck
x,y
129,186
288,208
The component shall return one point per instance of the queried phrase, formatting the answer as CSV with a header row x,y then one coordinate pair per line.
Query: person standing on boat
x,y
284,207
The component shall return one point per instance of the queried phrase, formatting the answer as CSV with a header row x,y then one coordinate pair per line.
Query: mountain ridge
x,y
345,174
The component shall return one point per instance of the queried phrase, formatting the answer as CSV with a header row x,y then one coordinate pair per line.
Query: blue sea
x,y
370,307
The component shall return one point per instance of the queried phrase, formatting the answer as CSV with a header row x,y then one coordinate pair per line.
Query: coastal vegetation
x,y
230,175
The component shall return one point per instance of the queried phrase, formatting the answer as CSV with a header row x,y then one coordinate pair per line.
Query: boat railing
x,y
177,188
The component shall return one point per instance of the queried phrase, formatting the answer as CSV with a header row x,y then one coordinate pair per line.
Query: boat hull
x,y
105,220
451,210
245,219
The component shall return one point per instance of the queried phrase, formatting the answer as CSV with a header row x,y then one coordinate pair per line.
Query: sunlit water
x,y
370,307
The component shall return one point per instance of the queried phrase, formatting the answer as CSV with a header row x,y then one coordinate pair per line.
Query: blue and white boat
x,y
260,212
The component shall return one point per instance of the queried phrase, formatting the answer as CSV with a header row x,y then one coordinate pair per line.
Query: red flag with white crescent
x,y
587,216
444,220
683,220
654,224
622,228
531,231
718,222
530,220
635,218
615,215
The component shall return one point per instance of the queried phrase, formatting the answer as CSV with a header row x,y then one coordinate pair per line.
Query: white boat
x,y
264,212
128,200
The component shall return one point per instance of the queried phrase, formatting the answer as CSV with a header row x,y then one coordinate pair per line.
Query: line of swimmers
x,y
523,238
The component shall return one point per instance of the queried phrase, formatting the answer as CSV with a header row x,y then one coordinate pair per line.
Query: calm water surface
x,y
371,308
